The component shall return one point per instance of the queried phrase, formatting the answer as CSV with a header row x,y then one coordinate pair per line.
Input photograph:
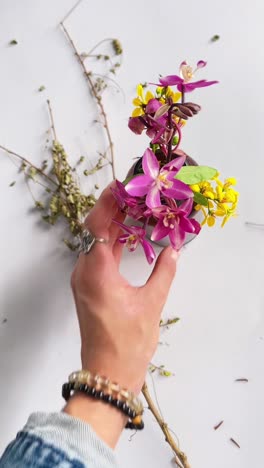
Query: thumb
x,y
160,280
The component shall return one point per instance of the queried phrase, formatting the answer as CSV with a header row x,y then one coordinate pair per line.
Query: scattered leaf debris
x,y
41,88
215,38
13,42
12,183
234,442
218,425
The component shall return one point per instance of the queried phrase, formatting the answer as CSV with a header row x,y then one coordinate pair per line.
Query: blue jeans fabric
x,y
57,440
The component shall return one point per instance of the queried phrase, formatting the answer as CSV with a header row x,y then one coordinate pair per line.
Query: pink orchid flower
x,y
183,81
134,207
156,181
134,236
122,197
174,222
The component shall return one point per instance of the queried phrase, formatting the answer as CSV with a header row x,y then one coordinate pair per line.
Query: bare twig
x,y
72,10
52,120
248,223
234,442
180,457
95,94
218,425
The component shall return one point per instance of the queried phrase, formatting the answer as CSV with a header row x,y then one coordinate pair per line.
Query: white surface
x,y
218,292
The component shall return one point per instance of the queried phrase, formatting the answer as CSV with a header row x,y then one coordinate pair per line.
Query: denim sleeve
x,y
57,440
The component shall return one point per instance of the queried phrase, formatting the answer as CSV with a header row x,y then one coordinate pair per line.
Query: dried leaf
x,y
215,38
32,171
41,88
12,184
117,46
39,205
13,42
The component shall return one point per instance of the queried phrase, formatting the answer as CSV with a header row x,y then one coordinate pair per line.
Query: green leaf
x,y
195,174
41,88
128,179
200,199
12,184
13,42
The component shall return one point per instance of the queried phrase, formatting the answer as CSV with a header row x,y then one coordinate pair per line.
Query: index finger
x,y
99,221
100,217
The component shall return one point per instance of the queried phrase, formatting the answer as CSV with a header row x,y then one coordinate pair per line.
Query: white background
x,y
218,292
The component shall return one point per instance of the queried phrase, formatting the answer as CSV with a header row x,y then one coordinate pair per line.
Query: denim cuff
x,y
73,436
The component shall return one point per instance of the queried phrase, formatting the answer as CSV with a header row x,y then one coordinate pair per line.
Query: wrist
x,y
125,376
107,421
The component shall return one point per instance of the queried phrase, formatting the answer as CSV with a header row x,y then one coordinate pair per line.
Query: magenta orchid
x,y
134,236
131,205
173,221
156,182
183,82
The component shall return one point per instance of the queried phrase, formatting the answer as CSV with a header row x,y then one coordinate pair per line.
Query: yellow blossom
x,y
230,181
141,101
195,187
210,220
222,200
164,93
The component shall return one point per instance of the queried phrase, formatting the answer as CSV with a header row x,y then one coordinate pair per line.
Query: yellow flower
x,y
195,188
207,190
230,212
210,220
222,200
164,93
230,181
141,101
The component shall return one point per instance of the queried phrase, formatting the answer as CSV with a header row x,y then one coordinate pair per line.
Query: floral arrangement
x,y
164,191
166,188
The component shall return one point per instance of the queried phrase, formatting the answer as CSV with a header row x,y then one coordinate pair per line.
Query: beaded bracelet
x,y
110,392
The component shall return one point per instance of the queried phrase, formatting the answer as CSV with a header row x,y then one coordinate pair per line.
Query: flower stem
x,y
170,126
180,457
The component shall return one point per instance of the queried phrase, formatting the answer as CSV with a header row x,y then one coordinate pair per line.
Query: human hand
x,y
119,323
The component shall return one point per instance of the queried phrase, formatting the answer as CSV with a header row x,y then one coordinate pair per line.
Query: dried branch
x,y
180,457
95,95
27,162
52,120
